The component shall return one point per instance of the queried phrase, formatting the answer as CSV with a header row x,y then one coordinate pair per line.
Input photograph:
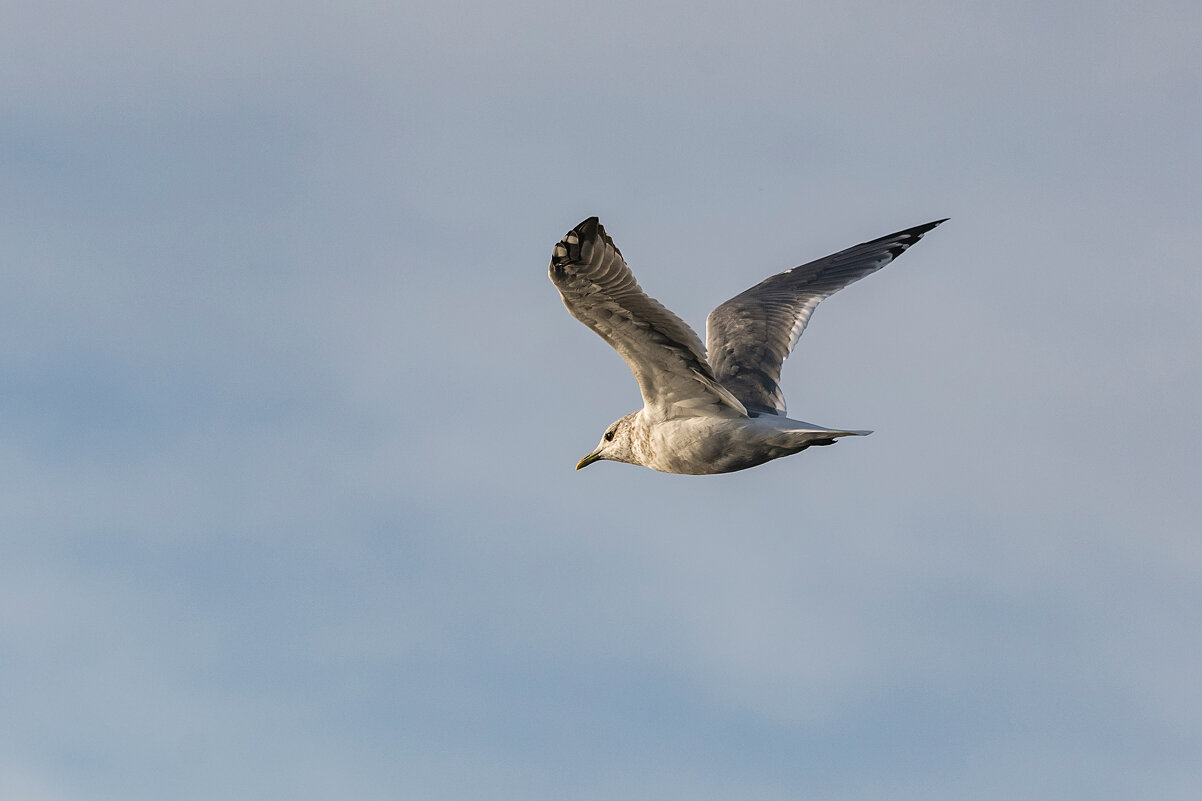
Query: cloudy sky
x,y
289,409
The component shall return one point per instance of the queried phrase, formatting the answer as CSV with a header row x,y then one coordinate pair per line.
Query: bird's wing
x,y
750,336
665,355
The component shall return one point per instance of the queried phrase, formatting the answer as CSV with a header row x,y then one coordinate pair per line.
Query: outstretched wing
x,y
665,355
751,335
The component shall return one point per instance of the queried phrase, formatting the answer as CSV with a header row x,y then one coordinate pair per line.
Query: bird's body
x,y
699,415
701,444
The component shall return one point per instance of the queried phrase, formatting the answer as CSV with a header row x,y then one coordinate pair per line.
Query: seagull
x,y
704,415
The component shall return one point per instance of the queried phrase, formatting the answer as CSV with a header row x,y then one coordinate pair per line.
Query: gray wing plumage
x,y
750,336
665,355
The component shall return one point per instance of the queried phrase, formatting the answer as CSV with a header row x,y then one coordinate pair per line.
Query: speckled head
x,y
620,443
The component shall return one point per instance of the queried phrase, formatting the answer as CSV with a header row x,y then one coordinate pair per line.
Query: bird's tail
x,y
813,436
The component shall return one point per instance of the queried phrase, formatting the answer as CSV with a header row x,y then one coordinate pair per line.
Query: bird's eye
x,y
609,436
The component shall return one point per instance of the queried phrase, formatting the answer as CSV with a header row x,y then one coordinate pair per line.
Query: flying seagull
x,y
700,415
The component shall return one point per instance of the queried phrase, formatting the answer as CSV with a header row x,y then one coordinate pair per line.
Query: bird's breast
x,y
704,445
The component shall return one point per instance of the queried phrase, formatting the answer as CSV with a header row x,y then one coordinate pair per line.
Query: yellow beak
x,y
595,456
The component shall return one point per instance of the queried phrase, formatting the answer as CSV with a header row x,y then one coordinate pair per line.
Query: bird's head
x,y
617,443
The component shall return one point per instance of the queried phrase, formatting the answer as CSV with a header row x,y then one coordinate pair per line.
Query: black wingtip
x,y
569,249
588,228
904,239
919,230
589,231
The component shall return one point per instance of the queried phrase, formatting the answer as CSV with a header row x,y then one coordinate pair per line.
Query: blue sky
x,y
290,408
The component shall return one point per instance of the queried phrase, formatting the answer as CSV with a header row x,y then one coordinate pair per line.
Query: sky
x,y
289,409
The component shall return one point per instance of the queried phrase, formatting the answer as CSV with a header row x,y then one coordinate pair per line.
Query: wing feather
x,y
664,353
751,335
